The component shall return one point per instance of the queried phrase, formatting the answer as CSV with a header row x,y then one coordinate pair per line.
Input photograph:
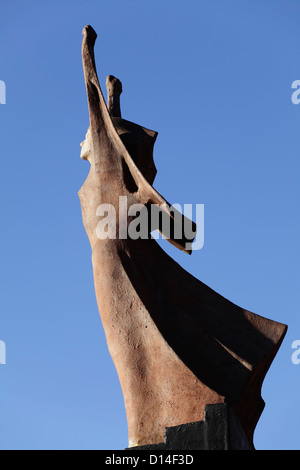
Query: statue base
x,y
220,430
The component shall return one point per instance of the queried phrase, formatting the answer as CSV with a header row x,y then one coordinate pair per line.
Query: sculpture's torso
x,y
159,390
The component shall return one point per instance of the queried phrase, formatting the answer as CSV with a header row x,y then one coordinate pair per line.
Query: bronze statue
x,y
177,345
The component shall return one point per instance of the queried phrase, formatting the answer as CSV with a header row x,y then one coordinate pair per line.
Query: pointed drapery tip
x,y
89,31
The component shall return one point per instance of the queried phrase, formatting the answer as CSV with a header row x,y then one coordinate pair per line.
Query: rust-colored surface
x,y
177,345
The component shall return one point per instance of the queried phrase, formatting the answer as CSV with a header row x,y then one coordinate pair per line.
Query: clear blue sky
x,y
214,79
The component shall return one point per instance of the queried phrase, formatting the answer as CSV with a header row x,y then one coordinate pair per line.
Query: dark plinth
x,y
220,430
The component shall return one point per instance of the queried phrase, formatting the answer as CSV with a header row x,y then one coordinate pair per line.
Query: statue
x,y
176,344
